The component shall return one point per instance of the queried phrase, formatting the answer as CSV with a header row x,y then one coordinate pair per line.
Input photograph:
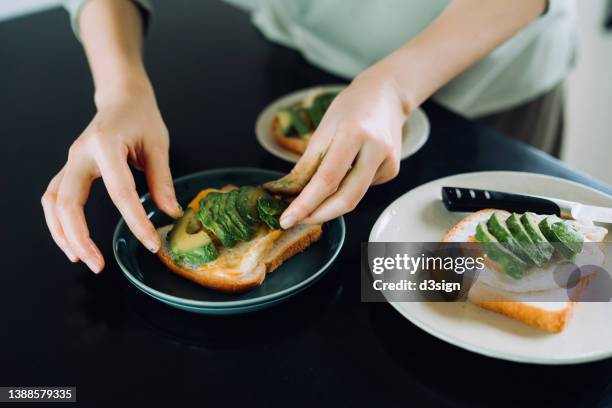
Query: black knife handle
x,y
471,199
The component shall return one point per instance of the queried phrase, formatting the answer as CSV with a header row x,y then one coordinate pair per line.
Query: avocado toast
x,y
229,238
293,125
522,253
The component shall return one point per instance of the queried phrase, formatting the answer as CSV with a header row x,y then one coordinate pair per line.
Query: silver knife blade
x,y
591,212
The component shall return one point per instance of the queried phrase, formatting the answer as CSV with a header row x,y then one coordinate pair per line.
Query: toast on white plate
x,y
529,293
229,242
294,125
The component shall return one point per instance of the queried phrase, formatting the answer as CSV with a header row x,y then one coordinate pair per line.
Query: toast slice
x,y
295,144
514,298
244,266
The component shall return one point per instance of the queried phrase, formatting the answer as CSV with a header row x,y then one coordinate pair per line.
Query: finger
x,y
388,170
353,187
324,182
122,190
318,144
159,180
48,202
72,196
302,172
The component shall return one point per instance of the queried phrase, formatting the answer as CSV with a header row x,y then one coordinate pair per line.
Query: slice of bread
x,y
295,144
517,299
244,266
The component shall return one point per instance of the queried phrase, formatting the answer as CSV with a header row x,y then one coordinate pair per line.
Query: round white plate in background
x,y
416,128
420,216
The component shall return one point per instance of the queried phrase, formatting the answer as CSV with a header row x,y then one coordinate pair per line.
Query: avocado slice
x,y
243,231
319,106
300,120
530,223
270,210
221,216
509,263
304,116
284,121
571,238
193,224
497,227
564,238
522,237
316,114
208,217
325,99
246,203
193,247
546,227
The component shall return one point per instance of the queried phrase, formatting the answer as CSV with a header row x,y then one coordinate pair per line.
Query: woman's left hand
x,y
360,139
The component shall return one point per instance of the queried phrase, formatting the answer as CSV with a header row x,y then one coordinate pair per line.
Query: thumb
x,y
159,180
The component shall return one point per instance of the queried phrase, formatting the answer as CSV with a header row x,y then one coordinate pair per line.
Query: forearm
x,y
112,35
465,32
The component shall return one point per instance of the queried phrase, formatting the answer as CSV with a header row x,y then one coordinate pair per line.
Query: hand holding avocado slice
x,y
294,182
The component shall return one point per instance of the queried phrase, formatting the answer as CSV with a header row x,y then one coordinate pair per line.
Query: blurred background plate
x,y
416,128
147,273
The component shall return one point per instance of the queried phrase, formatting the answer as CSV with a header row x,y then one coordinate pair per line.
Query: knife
x,y
471,199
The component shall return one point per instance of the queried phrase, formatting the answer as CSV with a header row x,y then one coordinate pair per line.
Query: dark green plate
x,y
148,274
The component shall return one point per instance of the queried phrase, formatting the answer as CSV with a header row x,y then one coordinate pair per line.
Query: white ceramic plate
x,y
416,128
420,216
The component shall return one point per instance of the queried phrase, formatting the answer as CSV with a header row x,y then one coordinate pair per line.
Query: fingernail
x,y
287,221
152,245
70,255
93,265
179,209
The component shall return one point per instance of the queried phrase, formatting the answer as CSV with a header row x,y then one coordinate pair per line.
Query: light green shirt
x,y
345,37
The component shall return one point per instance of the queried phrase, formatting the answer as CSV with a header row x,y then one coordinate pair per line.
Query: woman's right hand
x,y
127,128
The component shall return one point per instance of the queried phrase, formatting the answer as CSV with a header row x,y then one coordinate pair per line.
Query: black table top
x,y
62,325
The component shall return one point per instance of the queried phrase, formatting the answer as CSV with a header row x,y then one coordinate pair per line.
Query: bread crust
x,y
549,321
296,246
295,144
552,321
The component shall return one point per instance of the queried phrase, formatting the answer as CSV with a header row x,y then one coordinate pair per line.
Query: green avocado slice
x,y
530,223
270,210
194,247
564,238
222,215
497,227
316,114
246,203
509,263
571,238
198,256
243,230
209,218
320,104
546,227
324,100
522,237
301,121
